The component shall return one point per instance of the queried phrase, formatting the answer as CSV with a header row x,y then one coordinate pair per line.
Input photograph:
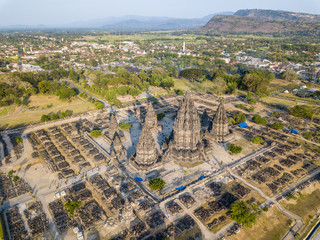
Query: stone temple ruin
x,y
151,118
146,157
219,127
146,154
186,144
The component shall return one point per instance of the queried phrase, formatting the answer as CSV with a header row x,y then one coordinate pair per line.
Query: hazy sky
x,y
52,12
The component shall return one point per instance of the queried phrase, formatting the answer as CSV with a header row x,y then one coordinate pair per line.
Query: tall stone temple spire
x,y
146,153
113,126
151,117
187,137
219,127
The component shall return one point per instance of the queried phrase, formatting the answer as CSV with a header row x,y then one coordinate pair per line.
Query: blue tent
x,y
138,179
202,177
243,125
294,131
180,188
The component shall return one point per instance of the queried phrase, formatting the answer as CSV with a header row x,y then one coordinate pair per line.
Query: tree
x,y
54,116
73,75
289,75
218,72
157,184
243,214
259,120
234,149
125,126
155,80
55,75
99,105
277,125
239,117
66,93
167,82
179,92
64,114
191,74
96,133
255,82
72,206
160,116
219,86
19,140
143,76
44,118
257,140
15,178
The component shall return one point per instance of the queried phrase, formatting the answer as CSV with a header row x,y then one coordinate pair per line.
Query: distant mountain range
x,y
131,23
137,23
250,21
265,21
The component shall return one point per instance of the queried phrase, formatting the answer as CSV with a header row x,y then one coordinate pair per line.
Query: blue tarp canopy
x,y
294,131
138,179
202,177
243,125
180,188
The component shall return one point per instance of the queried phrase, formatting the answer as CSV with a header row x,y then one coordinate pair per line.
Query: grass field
x,y
271,225
7,110
159,37
276,100
305,205
185,84
43,104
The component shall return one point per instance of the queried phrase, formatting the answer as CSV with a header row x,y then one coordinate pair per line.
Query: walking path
x,y
299,222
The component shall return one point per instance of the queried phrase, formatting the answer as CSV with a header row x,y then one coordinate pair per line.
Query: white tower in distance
x,y
184,47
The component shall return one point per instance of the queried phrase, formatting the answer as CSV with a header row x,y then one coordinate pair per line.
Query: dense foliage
x,y
259,120
257,140
72,206
160,116
125,126
277,125
234,149
55,116
244,213
302,111
157,184
96,133
237,118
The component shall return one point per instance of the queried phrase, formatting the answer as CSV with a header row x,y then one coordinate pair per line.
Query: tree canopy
x,y
157,184
244,213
